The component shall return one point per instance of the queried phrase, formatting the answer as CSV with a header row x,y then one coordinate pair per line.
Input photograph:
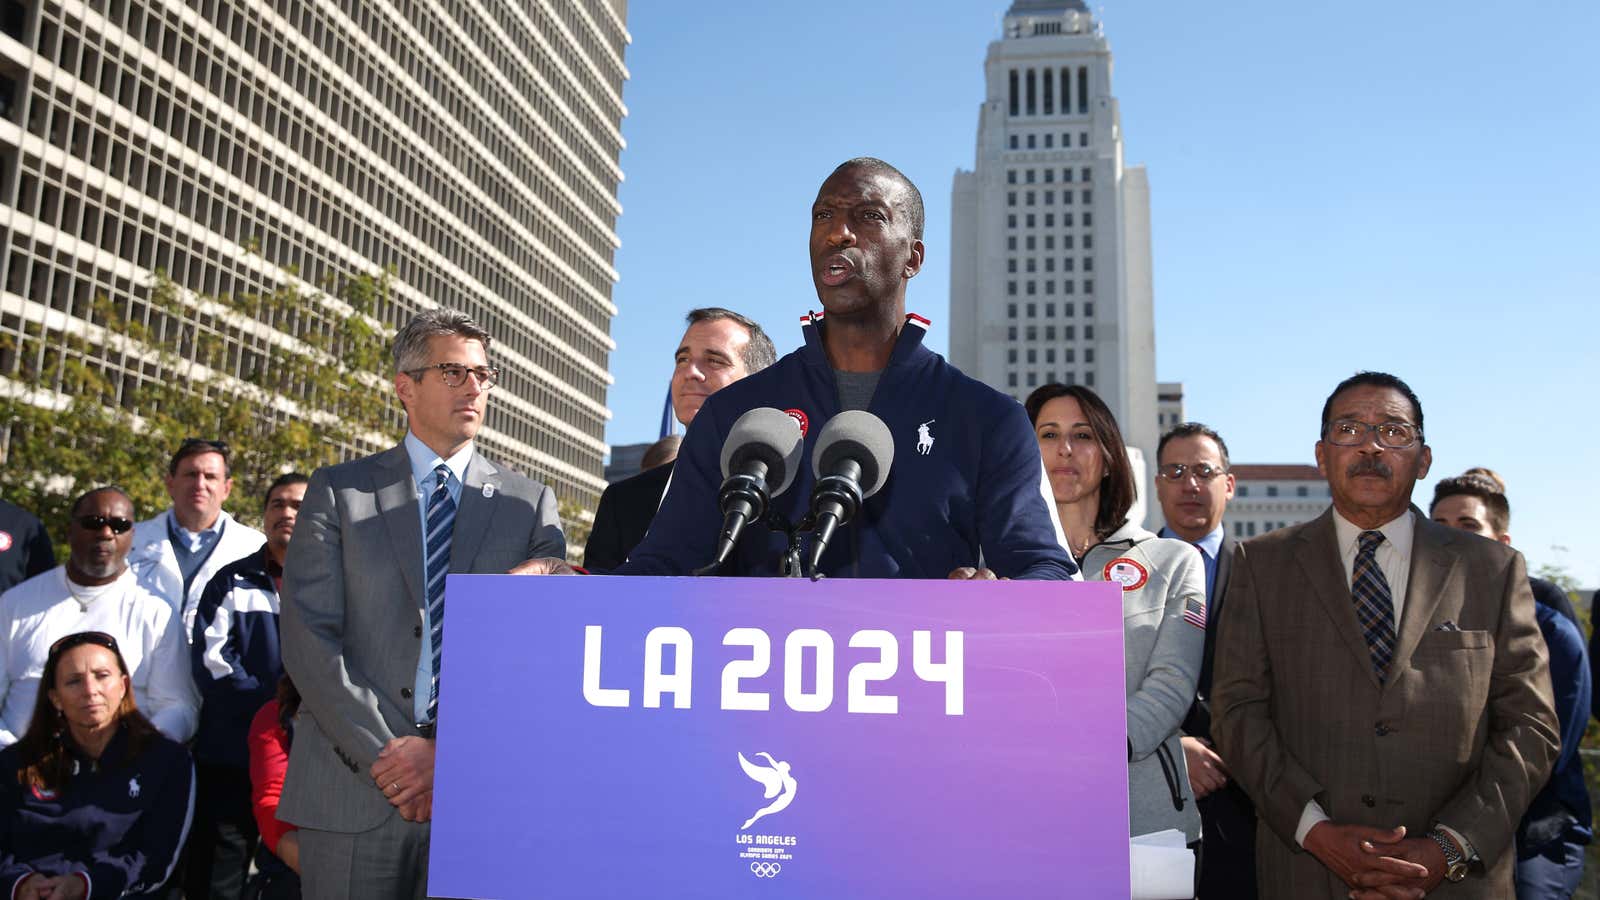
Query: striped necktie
x,y
1374,603
441,520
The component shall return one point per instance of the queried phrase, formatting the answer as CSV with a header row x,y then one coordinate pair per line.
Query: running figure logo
x,y
925,437
775,779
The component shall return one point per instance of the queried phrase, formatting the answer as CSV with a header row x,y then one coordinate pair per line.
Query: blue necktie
x,y
1374,603
436,543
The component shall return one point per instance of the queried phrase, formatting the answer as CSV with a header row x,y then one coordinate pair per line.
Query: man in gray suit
x,y
363,613
1381,690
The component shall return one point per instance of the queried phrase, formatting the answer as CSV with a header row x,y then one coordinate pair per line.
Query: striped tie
x,y
1374,604
441,520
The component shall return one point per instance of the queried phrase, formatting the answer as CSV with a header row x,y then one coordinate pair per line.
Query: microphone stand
x,y
792,567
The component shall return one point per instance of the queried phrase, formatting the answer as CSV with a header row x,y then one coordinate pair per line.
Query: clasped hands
x,y
1378,864
404,772
50,887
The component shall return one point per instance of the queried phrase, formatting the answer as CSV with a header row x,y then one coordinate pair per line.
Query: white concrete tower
x,y
1050,234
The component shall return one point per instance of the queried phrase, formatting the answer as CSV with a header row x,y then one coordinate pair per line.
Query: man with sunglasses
x,y
1193,485
363,612
96,591
177,553
1381,689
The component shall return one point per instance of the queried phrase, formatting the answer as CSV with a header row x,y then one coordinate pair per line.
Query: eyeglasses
x,y
455,376
1391,435
1202,472
117,524
98,638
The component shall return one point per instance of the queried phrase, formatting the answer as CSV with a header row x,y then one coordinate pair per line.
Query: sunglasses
x,y
117,524
98,638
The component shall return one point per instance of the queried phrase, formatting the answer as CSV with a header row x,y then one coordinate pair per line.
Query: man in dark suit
x,y
363,612
1381,689
1193,485
719,348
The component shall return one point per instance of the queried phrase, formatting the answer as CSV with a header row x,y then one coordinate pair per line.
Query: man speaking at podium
x,y
964,497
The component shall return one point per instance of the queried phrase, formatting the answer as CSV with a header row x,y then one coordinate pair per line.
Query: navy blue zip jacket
x,y
1561,810
234,650
966,477
119,821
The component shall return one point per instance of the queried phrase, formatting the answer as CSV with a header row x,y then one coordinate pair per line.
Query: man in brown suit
x,y
1381,689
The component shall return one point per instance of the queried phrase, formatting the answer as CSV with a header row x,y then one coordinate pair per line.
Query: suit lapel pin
x,y
488,490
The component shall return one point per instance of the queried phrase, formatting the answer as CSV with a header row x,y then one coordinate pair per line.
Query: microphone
x,y
851,462
759,461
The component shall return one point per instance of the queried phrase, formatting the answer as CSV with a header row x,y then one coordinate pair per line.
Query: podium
x,y
780,738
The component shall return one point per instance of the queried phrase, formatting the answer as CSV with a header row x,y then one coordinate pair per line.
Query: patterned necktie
x,y
1374,604
436,542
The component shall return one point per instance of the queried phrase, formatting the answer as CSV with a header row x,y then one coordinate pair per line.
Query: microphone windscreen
x,y
770,435
859,435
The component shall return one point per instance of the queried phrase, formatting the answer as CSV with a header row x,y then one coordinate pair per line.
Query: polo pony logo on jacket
x,y
925,437
133,786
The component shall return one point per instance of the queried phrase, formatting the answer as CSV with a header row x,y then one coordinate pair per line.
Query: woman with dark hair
x,y
1163,595
94,801
278,858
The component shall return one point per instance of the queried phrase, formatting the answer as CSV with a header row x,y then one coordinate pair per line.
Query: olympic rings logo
x,y
765,869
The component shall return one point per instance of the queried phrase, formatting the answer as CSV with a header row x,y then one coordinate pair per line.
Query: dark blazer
x,y
1550,594
1198,722
624,515
1463,732
352,612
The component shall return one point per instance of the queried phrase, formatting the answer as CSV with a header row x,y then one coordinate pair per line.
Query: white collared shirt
x,y
423,462
1393,555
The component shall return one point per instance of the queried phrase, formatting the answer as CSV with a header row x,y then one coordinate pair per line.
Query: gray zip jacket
x,y
1163,614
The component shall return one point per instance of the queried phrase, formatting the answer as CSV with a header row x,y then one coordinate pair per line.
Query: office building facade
x,y
1050,232
1269,496
240,146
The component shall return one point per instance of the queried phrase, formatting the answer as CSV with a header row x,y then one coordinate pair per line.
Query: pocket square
x,y
1447,625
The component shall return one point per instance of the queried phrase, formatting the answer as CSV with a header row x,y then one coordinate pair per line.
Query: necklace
x,y
72,588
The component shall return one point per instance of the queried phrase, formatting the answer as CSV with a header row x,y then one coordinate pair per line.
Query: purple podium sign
x,y
779,738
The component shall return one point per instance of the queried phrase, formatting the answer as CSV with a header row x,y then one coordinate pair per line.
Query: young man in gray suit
x,y
1381,691
363,612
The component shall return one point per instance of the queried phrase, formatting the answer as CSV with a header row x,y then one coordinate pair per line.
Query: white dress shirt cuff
x,y
1467,852
1309,818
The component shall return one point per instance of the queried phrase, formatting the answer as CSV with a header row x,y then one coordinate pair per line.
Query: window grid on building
x,y
240,146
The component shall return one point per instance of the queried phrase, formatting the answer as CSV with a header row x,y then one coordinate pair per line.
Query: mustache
x,y
1369,466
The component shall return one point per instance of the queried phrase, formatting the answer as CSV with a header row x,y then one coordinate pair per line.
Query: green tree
x,y
310,392
577,521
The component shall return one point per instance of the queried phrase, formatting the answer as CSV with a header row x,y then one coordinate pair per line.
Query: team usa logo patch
x,y
5,541
799,416
1127,573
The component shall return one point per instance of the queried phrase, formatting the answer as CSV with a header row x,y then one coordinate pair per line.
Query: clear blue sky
x,y
1408,187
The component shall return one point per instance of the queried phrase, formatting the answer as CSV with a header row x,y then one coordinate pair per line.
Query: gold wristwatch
x,y
1455,862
